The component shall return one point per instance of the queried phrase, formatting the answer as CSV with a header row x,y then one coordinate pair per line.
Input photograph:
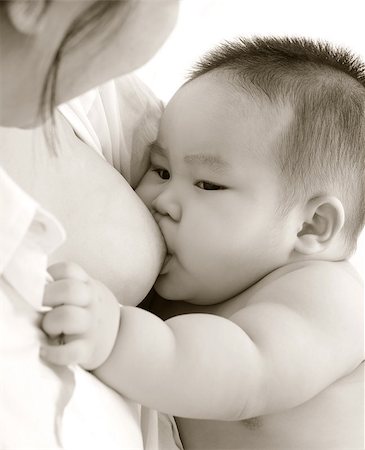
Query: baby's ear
x,y
27,17
323,219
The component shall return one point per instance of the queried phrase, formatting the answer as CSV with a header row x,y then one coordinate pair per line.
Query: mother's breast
x,y
109,231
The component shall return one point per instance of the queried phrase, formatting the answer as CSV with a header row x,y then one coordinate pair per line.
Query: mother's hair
x,y
97,15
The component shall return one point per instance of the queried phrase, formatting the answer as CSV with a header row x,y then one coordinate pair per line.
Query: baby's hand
x,y
84,319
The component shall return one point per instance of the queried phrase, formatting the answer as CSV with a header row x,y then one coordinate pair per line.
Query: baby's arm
x,y
287,345
196,365
283,348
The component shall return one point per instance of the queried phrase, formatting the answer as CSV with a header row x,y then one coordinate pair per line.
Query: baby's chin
x,y
168,290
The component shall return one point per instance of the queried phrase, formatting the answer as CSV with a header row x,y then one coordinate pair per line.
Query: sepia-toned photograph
x,y
182,213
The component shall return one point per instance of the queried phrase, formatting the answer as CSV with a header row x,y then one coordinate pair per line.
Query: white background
x,y
204,23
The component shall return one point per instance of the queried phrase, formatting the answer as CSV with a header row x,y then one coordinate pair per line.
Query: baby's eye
x,y
207,186
162,173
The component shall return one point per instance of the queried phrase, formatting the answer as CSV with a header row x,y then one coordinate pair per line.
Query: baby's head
x,y
259,162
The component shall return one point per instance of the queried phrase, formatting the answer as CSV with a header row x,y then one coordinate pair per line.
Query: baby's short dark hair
x,y
322,150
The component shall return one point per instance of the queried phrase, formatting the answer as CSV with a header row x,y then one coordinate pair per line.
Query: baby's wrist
x,y
111,344
104,334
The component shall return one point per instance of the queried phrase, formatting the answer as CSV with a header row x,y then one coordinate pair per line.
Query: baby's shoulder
x,y
319,273
311,281
333,273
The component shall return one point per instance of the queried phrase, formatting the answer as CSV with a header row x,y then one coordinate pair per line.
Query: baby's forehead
x,y
235,97
217,99
209,115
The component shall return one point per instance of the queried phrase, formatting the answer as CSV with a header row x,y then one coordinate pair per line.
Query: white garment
x,y
118,120
33,395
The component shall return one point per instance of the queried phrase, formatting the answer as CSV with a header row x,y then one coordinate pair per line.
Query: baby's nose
x,y
167,204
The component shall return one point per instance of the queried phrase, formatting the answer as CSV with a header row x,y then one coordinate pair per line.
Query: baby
x,y
257,184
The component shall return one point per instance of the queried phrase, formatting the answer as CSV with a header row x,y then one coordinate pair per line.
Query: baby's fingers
x,y
67,270
69,292
74,352
66,320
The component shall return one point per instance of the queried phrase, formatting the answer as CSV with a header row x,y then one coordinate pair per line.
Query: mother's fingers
x,y
67,270
70,292
75,352
67,320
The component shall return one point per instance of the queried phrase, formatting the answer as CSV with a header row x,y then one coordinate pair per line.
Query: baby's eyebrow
x,y
214,162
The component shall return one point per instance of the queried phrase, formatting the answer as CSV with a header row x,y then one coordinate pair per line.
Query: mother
x,y
52,51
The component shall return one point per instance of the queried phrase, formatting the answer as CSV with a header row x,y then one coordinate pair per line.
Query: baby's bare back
x,y
334,419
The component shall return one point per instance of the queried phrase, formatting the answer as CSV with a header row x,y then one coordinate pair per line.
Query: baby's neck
x,y
170,308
